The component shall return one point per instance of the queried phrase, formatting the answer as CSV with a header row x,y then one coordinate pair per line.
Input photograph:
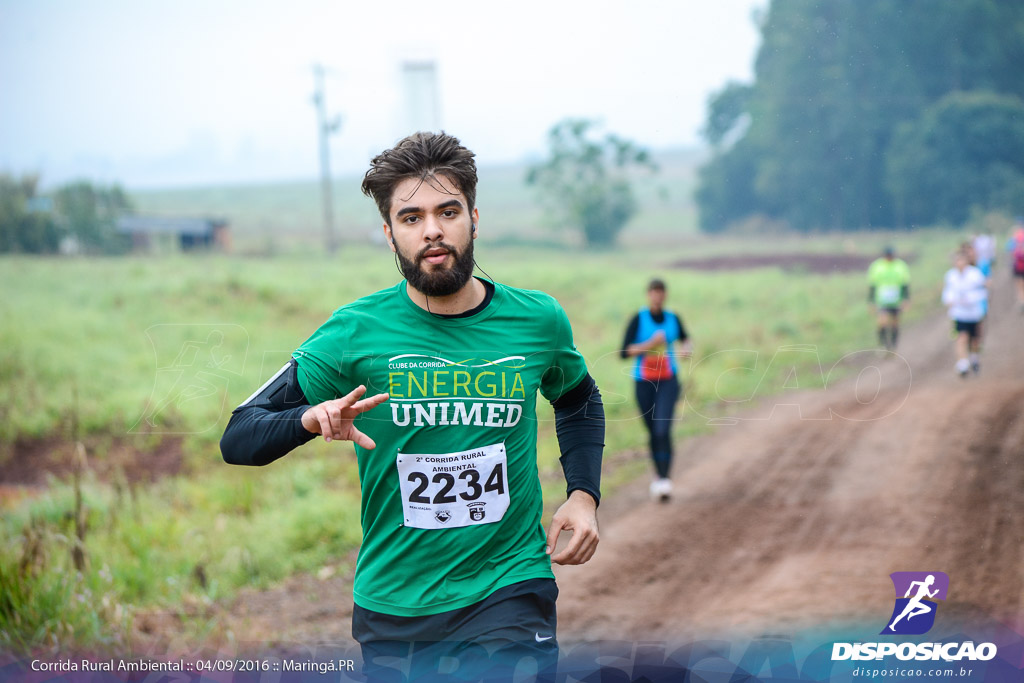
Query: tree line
x,y
79,216
886,113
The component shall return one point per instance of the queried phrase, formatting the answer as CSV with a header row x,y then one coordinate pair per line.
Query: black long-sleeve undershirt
x,y
269,424
579,426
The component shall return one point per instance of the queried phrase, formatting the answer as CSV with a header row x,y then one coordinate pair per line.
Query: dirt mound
x,y
811,263
29,464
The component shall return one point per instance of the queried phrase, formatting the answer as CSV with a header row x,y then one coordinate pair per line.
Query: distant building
x,y
187,234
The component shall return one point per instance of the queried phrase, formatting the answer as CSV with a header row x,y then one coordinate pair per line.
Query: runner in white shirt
x,y
965,294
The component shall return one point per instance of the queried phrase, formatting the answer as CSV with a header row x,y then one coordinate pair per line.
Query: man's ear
x,y
476,223
389,237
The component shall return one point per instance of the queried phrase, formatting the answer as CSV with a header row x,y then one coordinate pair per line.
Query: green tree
x,y
725,192
964,152
834,81
90,214
726,110
23,229
587,181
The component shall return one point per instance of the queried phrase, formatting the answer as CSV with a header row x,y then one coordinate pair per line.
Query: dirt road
x,y
783,522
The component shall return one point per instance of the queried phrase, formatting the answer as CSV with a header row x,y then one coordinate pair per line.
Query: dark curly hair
x,y
424,156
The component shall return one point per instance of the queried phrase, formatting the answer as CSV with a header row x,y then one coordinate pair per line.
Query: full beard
x,y
438,282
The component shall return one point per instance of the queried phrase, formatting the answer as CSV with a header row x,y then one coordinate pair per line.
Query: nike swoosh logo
x,y
540,639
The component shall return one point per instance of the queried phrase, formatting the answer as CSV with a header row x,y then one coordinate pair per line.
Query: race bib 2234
x,y
449,490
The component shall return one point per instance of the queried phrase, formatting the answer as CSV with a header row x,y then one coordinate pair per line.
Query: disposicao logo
x,y
916,595
913,615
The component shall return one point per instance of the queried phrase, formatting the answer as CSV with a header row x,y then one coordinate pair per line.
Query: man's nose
x,y
432,229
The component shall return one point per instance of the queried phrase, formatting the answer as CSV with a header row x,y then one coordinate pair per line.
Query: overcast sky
x,y
193,92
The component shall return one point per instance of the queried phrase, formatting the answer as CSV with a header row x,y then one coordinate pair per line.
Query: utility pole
x,y
325,127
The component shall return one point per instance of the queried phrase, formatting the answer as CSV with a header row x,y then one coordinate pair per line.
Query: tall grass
x,y
181,541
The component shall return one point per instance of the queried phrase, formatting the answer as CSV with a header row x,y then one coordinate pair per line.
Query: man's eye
x,y
450,213
411,219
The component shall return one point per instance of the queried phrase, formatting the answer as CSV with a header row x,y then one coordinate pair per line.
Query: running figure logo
x,y
195,366
914,613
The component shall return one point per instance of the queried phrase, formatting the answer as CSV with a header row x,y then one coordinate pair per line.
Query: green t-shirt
x,y
888,278
451,499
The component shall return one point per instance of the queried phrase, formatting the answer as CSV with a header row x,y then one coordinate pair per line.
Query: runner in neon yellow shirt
x,y
889,293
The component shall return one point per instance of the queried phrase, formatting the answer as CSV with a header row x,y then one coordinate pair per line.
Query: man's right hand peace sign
x,y
334,418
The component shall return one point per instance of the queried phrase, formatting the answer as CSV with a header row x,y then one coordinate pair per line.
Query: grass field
x,y
90,347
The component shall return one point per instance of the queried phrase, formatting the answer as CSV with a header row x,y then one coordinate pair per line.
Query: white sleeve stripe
x,y
265,385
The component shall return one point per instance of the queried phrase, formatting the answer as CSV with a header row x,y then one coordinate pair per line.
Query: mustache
x,y
422,253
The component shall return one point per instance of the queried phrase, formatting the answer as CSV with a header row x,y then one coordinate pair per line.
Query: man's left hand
x,y
578,515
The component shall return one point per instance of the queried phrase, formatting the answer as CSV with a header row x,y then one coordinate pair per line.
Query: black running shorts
x,y
970,327
511,630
